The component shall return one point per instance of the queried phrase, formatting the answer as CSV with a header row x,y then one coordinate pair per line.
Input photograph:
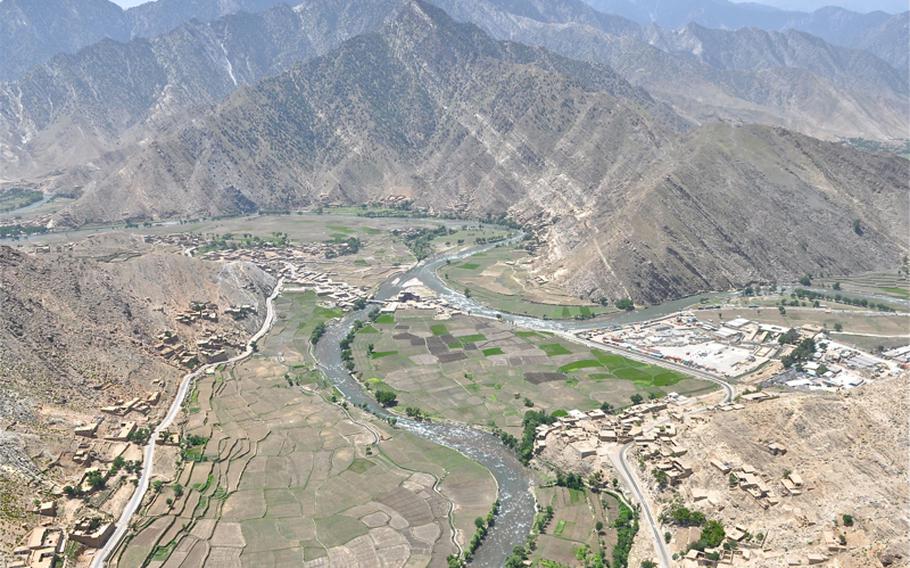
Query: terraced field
x,y
273,474
477,371
573,526
499,279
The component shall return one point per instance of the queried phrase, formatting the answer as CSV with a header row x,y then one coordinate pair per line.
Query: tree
x,y
838,327
806,280
636,398
712,534
625,304
782,310
858,227
599,526
663,480
848,520
836,286
386,398
95,480
648,564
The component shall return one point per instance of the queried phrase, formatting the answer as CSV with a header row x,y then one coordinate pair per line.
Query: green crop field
x,y
477,371
284,474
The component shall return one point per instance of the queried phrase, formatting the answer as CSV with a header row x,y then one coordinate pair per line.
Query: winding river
x,y
517,506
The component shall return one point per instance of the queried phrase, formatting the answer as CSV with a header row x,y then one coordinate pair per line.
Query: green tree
x,y
386,398
712,534
636,398
625,304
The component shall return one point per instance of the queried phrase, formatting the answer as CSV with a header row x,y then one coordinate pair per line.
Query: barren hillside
x,y
78,331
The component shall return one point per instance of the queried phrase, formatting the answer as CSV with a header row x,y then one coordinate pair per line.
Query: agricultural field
x,y
272,473
500,279
477,371
878,284
573,525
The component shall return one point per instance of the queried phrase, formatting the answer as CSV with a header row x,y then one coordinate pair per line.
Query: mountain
x,y
790,79
885,35
786,88
629,200
111,95
435,108
33,31
730,205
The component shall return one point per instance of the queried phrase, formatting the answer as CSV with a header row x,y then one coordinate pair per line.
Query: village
x,y
755,352
591,443
105,458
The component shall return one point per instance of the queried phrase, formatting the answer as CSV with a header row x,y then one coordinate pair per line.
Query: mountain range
x,y
33,31
630,198
883,34
112,95
650,162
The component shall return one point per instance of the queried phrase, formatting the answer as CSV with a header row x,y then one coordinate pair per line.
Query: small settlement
x,y
741,347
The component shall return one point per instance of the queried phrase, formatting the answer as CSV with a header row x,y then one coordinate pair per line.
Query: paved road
x,y
122,525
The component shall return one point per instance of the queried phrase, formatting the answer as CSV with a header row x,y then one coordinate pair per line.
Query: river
x,y
517,505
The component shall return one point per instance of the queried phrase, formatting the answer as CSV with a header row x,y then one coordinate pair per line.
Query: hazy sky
x,y
807,5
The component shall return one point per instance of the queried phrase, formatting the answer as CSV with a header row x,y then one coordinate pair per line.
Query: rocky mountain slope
x,y
33,31
77,331
111,95
429,108
849,450
631,203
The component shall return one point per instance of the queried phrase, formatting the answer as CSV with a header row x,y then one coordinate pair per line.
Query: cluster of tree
x,y
626,525
542,519
317,333
352,246
347,356
229,241
482,526
17,231
416,414
801,293
532,419
140,436
386,397
625,304
681,516
570,480
803,352
590,558
420,241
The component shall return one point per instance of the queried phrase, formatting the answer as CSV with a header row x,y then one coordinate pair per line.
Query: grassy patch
x,y
338,530
474,338
578,365
367,329
385,319
902,292
162,553
492,351
360,465
469,266
381,354
439,329
560,528
554,349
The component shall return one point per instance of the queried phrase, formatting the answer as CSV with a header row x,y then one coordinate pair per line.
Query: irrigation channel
x,y
517,506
